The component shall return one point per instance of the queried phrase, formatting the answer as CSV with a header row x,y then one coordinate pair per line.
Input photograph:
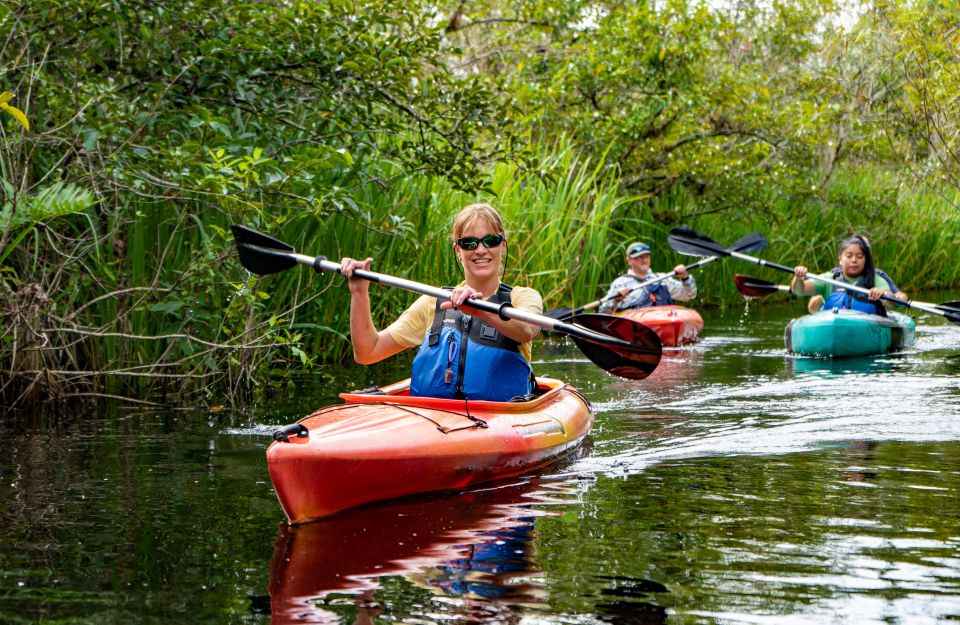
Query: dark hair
x,y
869,271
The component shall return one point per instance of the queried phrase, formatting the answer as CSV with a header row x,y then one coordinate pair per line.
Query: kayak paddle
x,y
693,243
618,345
749,243
757,287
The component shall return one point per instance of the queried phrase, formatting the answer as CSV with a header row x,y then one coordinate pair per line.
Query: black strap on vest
x,y
478,332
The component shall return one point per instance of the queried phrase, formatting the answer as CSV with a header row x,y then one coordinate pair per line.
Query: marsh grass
x,y
567,225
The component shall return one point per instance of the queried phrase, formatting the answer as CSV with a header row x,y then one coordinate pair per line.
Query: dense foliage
x,y
134,133
182,118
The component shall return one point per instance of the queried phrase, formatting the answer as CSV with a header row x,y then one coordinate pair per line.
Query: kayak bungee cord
x,y
301,431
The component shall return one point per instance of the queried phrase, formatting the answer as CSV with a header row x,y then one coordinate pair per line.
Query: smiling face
x,y
852,261
481,266
639,265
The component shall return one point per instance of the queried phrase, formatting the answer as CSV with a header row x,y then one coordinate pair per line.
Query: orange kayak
x,y
384,445
675,325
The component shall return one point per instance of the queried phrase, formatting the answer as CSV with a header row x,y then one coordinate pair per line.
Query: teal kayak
x,y
848,333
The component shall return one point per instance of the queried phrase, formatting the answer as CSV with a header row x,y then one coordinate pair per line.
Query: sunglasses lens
x,y
471,243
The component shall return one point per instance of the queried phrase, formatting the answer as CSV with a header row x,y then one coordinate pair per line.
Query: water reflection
x,y
737,485
477,548
841,366
626,601
951,364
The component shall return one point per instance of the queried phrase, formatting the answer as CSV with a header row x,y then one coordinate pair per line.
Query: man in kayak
x,y
855,267
464,353
625,294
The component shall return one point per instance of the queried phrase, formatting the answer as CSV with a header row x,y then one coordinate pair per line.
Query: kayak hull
x,y
848,334
383,446
675,325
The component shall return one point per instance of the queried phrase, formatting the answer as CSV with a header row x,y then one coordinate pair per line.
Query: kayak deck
x,y
387,445
849,333
675,325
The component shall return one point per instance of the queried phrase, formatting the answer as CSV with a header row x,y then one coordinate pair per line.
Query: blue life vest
x,y
656,294
851,300
463,358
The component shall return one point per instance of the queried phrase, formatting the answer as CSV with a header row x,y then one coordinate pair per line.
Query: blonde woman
x,y
464,353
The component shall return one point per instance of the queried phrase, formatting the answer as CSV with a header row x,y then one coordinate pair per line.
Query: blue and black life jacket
x,y
851,300
463,358
656,294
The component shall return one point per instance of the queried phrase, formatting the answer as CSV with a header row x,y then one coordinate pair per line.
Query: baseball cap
x,y
636,249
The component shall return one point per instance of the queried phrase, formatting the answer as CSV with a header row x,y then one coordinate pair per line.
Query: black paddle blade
x,y
692,243
261,254
949,307
755,287
753,242
952,315
635,362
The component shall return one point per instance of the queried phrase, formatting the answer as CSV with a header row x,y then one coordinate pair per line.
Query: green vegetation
x,y
360,127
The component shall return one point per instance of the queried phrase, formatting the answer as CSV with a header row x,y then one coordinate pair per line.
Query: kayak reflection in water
x,y
624,293
477,548
484,568
856,267
444,367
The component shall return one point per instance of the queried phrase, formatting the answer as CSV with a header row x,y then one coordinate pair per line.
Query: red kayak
x,y
386,444
675,325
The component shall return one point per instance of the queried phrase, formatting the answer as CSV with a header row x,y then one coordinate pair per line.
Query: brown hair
x,y
478,213
869,270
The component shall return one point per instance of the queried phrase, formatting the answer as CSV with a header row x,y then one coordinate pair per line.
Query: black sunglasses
x,y
471,243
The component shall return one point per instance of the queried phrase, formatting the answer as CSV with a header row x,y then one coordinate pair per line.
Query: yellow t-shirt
x,y
413,325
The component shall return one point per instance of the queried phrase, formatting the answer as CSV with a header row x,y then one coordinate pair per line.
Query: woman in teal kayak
x,y
855,267
464,353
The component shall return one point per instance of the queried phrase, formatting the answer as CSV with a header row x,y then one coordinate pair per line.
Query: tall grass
x,y
568,226
563,239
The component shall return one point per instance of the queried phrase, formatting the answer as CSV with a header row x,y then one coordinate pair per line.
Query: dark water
x,y
735,485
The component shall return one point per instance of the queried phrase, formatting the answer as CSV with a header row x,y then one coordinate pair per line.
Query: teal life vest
x,y
851,300
462,357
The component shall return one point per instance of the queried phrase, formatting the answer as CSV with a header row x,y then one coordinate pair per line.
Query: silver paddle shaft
x,y
504,311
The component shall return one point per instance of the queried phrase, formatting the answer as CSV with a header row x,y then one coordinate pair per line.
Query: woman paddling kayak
x,y
464,353
856,267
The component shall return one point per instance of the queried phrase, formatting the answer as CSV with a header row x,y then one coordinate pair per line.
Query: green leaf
x,y
168,307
